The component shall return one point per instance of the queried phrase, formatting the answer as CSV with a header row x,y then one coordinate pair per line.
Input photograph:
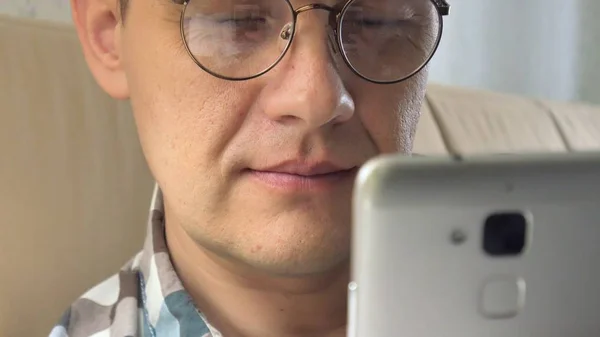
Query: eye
x,y
387,23
379,23
247,22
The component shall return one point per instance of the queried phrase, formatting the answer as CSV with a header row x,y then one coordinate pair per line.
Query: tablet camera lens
x,y
505,234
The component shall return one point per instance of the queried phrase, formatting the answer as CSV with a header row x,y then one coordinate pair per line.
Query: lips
x,y
294,176
306,169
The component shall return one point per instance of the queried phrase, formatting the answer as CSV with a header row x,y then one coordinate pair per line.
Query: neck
x,y
241,301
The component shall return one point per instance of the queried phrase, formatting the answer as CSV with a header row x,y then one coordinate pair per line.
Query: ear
x,y
99,26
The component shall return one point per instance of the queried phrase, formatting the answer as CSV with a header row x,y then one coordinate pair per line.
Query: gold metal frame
x,y
336,15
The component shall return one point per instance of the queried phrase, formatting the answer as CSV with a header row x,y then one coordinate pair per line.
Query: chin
x,y
298,250
299,264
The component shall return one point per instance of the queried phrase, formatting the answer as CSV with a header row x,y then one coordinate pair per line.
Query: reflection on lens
x,y
389,40
237,40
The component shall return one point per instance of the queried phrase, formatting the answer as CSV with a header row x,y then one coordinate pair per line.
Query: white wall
x,y
541,48
55,10
589,47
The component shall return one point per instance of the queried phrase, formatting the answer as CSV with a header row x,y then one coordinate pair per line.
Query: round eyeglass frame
x,y
336,25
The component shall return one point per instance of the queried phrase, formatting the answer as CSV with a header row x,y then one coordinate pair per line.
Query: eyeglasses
x,y
382,41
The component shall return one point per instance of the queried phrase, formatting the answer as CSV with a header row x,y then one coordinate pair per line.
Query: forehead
x,y
170,10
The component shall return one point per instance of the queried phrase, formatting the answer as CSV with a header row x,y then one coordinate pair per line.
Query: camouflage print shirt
x,y
145,299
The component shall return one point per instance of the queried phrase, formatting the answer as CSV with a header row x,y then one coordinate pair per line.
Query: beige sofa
x,y
74,188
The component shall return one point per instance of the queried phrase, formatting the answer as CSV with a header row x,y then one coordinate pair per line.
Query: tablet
x,y
487,246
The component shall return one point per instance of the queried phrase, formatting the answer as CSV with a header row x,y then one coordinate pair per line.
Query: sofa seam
x,y
439,124
553,118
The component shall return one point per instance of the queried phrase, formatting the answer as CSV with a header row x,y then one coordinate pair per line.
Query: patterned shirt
x,y
145,299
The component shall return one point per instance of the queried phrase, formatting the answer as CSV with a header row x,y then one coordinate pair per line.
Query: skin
x,y
257,261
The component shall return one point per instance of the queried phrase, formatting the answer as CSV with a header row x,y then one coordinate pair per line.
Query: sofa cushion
x,y
578,123
74,186
428,138
477,121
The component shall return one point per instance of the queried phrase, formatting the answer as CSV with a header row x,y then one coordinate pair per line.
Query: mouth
x,y
300,178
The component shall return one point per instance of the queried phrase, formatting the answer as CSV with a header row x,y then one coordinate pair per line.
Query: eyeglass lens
x,y
381,40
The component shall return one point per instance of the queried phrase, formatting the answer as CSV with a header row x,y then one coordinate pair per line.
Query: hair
x,y
123,8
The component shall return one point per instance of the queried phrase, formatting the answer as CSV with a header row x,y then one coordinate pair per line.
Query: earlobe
x,y
99,29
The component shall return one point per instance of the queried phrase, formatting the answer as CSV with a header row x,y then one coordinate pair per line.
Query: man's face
x,y
241,164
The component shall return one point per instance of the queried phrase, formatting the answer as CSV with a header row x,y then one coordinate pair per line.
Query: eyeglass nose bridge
x,y
334,14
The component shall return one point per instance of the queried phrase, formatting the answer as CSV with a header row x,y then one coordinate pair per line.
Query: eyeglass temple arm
x,y
442,6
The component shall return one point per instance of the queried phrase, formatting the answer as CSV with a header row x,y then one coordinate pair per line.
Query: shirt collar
x,y
168,307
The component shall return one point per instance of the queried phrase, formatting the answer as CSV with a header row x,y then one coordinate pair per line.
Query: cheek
x,y
185,117
390,113
189,125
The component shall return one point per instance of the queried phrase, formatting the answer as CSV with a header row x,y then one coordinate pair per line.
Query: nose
x,y
306,87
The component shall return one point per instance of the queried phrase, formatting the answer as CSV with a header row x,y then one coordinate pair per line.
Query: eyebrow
x,y
181,2
442,5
